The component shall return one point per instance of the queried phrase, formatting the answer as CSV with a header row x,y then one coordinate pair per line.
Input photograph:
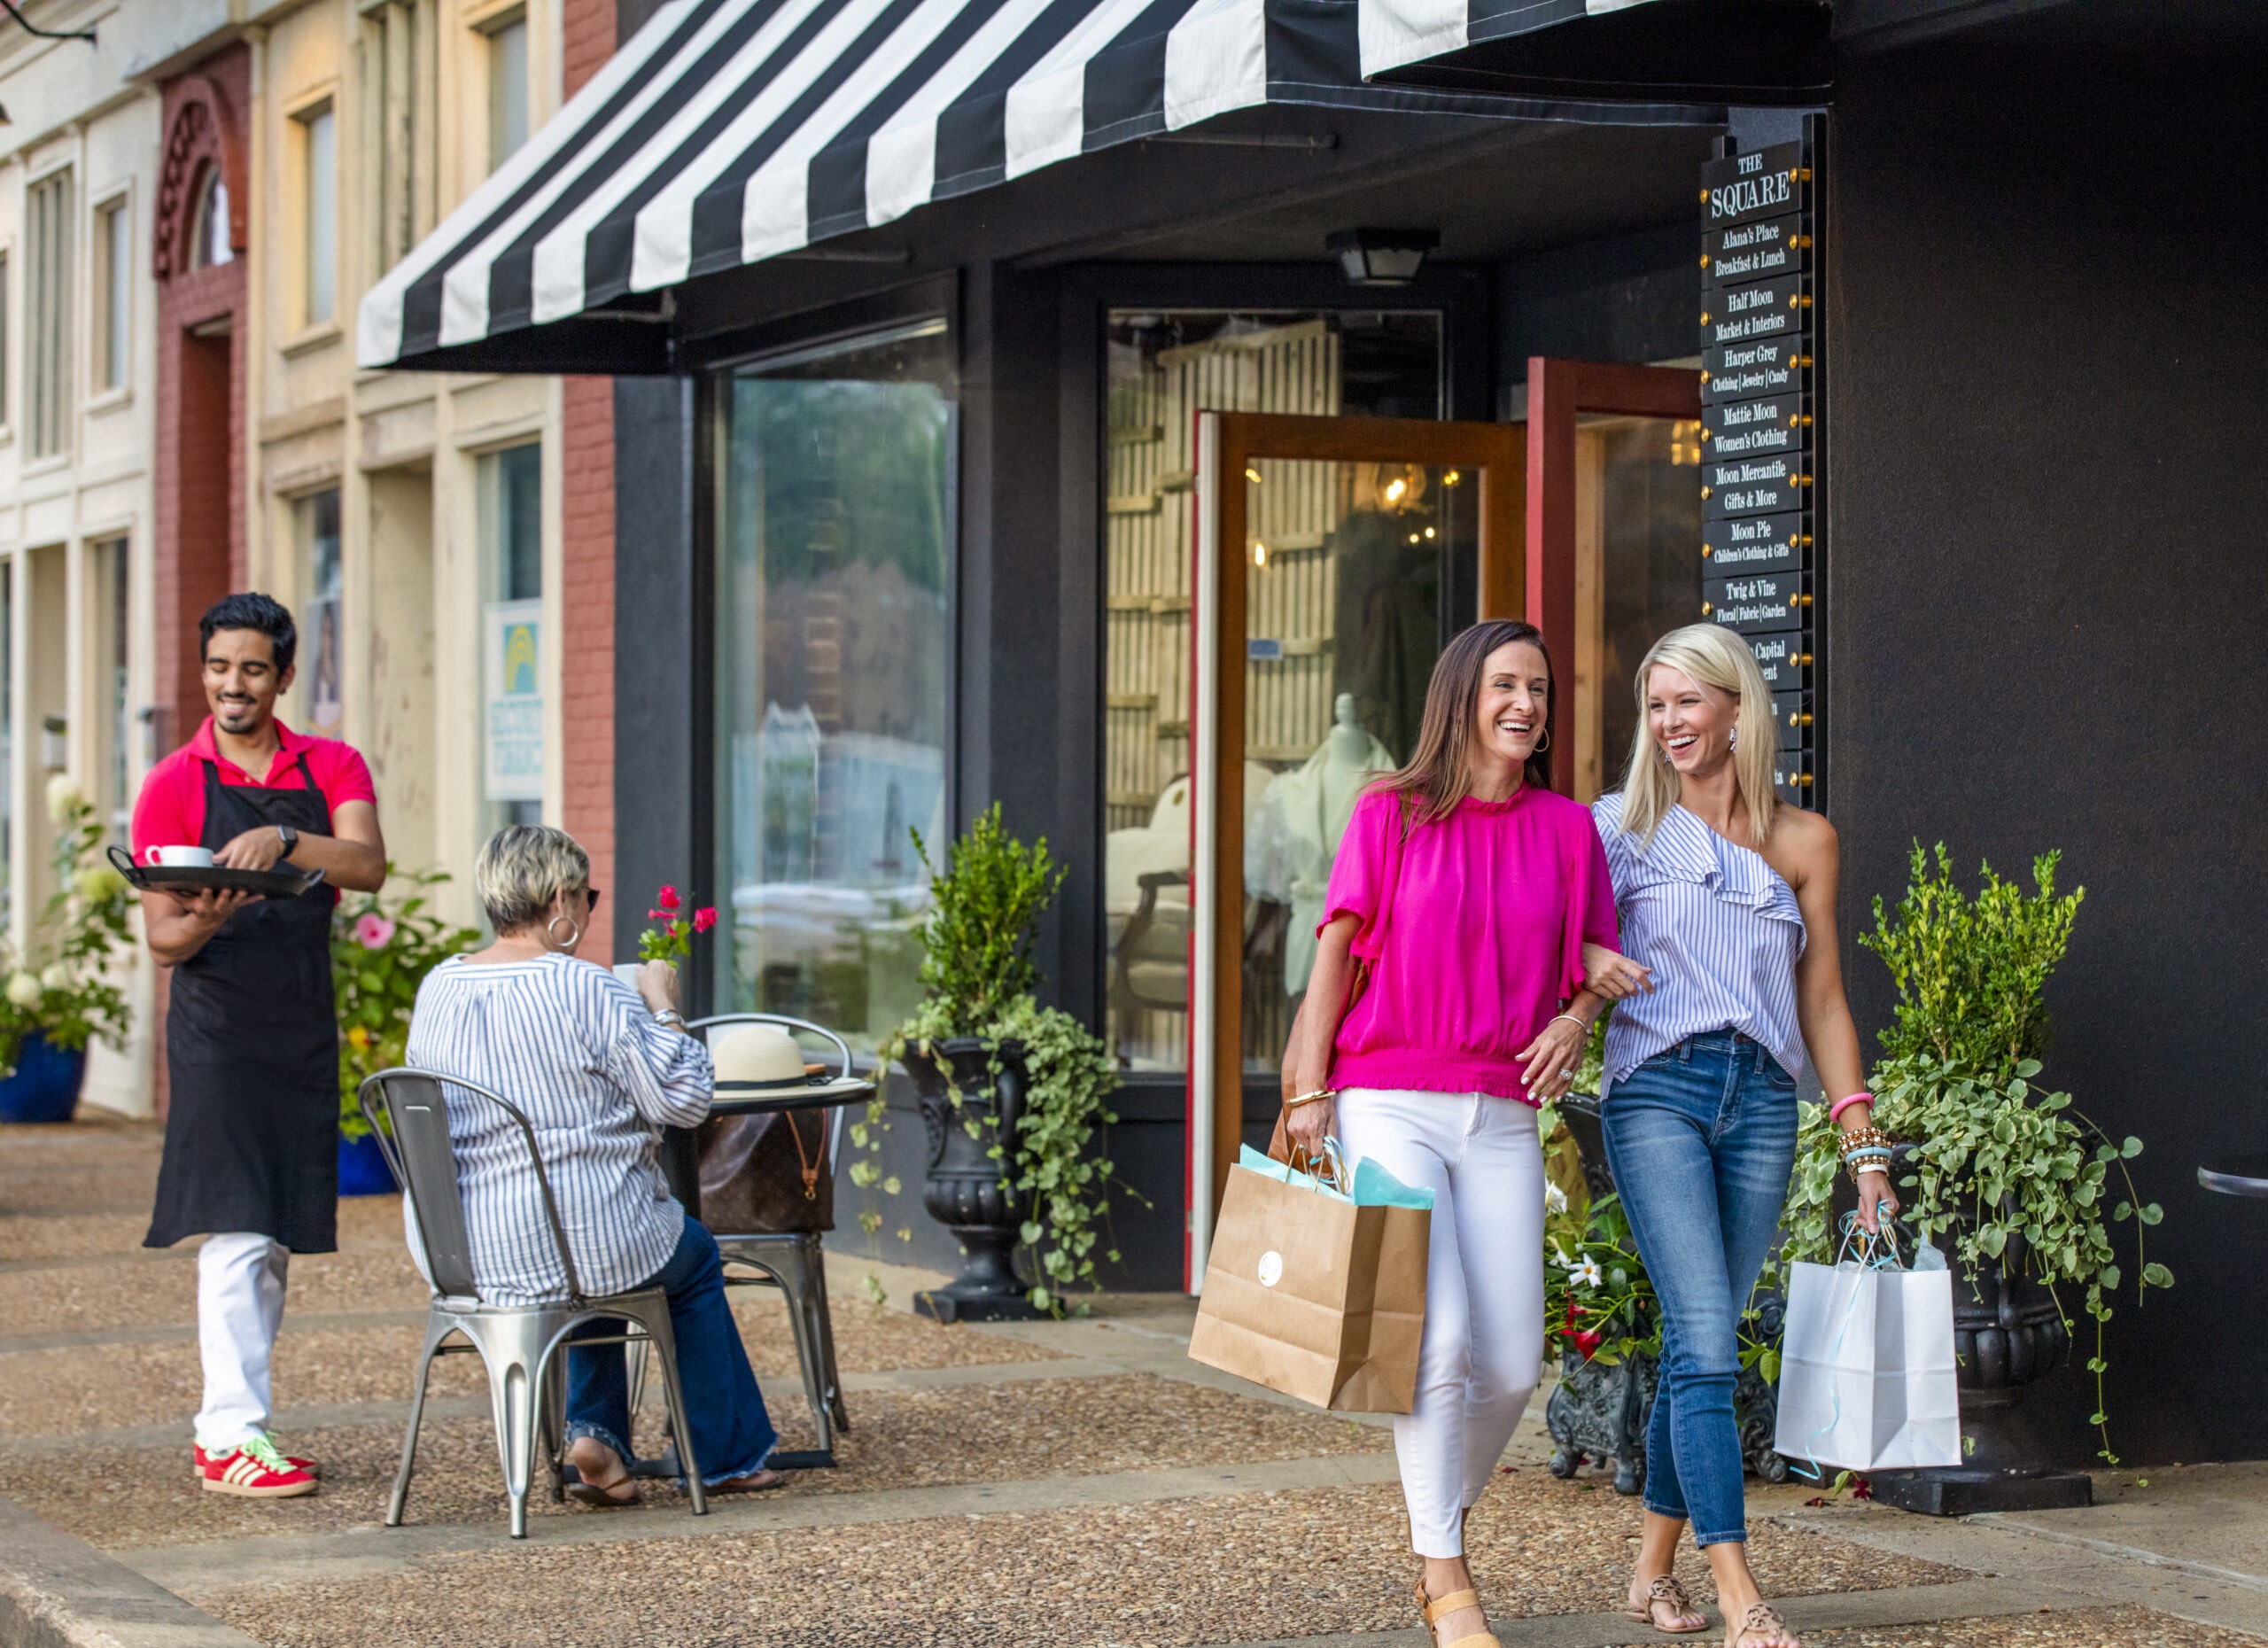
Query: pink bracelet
x,y
1841,1105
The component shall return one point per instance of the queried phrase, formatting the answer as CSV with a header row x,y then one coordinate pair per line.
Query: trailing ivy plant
x,y
978,976
2027,1182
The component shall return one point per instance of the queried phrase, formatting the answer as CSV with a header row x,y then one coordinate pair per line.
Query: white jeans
x,y
239,1307
1482,1350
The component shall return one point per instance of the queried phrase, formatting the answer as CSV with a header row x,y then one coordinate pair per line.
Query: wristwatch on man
x,y
290,839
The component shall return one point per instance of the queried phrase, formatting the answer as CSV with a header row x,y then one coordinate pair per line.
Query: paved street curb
x,y
60,1592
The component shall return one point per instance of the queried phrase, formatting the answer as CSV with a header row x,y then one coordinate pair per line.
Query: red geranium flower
x,y
667,899
704,918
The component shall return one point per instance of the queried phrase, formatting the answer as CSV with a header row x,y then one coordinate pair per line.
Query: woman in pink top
x,y
1463,893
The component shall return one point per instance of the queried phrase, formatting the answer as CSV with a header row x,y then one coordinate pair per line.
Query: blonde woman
x,y
1725,903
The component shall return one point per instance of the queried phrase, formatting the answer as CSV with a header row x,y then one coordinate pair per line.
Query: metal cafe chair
x,y
518,1344
794,1263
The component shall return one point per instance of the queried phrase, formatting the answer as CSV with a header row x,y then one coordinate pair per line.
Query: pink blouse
x,y
1473,927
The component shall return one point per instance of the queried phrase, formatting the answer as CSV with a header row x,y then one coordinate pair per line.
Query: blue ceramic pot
x,y
45,1086
362,1169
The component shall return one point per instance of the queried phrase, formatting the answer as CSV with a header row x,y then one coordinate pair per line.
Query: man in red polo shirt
x,y
252,1032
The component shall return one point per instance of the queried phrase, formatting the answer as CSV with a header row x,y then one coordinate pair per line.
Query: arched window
x,y
208,233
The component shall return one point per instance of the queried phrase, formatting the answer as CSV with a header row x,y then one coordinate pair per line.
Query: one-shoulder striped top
x,y
1722,931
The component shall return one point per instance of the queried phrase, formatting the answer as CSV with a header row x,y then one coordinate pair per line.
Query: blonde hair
x,y
1714,657
521,869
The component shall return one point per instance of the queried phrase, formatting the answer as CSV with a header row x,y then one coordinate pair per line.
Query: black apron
x,y
251,1049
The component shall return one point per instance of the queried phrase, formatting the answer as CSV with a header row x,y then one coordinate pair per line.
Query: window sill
x,y
48,464
109,400
310,341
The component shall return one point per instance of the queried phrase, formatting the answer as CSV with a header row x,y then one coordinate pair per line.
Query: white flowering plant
x,y
63,987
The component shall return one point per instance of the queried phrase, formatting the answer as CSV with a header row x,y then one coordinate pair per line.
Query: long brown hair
x,y
1437,775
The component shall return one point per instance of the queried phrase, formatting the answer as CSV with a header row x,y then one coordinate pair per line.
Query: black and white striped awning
x,y
729,131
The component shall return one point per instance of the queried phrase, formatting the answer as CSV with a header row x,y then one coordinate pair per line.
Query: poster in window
x,y
513,733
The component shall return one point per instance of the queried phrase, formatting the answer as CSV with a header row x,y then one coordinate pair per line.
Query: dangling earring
x,y
574,932
1732,739
1544,743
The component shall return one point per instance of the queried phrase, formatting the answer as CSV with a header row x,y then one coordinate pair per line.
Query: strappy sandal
x,y
1666,1592
1440,1607
612,1496
1759,1620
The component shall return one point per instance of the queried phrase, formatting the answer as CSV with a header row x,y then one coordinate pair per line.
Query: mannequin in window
x,y
1303,815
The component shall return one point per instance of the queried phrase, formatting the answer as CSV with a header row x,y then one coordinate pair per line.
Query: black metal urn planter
x,y
2007,1335
1598,1413
968,1110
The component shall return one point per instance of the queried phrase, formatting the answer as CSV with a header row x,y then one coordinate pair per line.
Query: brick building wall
x,y
586,571
197,551
199,546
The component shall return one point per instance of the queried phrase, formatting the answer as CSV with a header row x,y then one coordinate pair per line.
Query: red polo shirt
x,y
171,810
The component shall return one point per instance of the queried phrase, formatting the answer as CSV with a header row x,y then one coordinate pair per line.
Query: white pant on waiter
x,y
1482,1350
239,1307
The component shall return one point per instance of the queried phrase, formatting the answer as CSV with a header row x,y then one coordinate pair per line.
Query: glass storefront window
x,y
1316,522
1637,574
510,500
834,690
322,585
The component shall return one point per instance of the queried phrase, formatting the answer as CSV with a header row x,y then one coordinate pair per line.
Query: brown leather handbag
x,y
766,1175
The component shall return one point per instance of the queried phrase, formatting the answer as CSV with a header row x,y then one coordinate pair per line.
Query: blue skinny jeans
x,y
724,1409
1701,1140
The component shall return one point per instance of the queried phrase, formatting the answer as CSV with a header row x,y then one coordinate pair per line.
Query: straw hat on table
x,y
755,1060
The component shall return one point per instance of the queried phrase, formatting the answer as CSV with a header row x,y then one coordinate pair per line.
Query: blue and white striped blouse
x,y
578,1051
1719,929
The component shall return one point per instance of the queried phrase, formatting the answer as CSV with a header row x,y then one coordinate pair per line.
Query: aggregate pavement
x,y
1059,1483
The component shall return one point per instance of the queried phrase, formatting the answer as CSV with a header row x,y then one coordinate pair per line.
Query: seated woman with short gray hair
x,y
599,1069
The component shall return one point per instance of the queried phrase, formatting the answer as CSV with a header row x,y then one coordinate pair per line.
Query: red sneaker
x,y
203,1459
256,1471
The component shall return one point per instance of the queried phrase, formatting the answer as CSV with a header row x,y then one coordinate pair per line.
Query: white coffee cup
x,y
179,858
627,972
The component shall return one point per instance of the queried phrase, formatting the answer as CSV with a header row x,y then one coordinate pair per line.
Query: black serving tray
x,y
215,877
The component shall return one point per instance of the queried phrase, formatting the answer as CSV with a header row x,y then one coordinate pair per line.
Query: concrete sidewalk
x,y
1057,1483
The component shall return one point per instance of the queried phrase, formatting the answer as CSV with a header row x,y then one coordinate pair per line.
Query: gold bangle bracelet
x,y
1319,1094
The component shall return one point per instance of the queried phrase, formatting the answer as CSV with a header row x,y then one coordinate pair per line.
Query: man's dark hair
x,y
250,611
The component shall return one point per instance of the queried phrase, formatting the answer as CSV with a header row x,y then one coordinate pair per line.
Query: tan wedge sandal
x,y
1666,1592
1440,1607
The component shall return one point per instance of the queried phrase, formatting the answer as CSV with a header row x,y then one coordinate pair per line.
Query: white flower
x,y
55,976
24,990
1555,1200
1559,1255
1586,1274
63,796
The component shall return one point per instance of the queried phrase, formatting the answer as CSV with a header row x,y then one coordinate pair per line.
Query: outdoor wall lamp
x,y
1382,257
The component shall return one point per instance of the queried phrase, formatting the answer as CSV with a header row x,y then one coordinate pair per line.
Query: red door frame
x,y
1557,391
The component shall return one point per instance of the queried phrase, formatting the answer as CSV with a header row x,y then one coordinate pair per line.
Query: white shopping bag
x,y
1867,1375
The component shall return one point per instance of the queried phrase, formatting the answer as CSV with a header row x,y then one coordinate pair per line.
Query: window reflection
x,y
832,641
1323,557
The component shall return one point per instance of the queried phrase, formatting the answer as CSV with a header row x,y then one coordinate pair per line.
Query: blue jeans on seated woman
x,y
1701,1140
731,1434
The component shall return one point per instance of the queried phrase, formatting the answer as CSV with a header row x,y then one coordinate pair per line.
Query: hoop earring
x,y
1544,743
575,933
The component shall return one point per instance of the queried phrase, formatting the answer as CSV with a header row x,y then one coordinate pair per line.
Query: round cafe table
x,y
2237,1175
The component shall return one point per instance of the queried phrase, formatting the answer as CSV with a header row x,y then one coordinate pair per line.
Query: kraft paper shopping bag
x,y
1314,1296
1868,1379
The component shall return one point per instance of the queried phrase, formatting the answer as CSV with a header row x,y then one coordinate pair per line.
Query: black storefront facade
x,y
899,517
